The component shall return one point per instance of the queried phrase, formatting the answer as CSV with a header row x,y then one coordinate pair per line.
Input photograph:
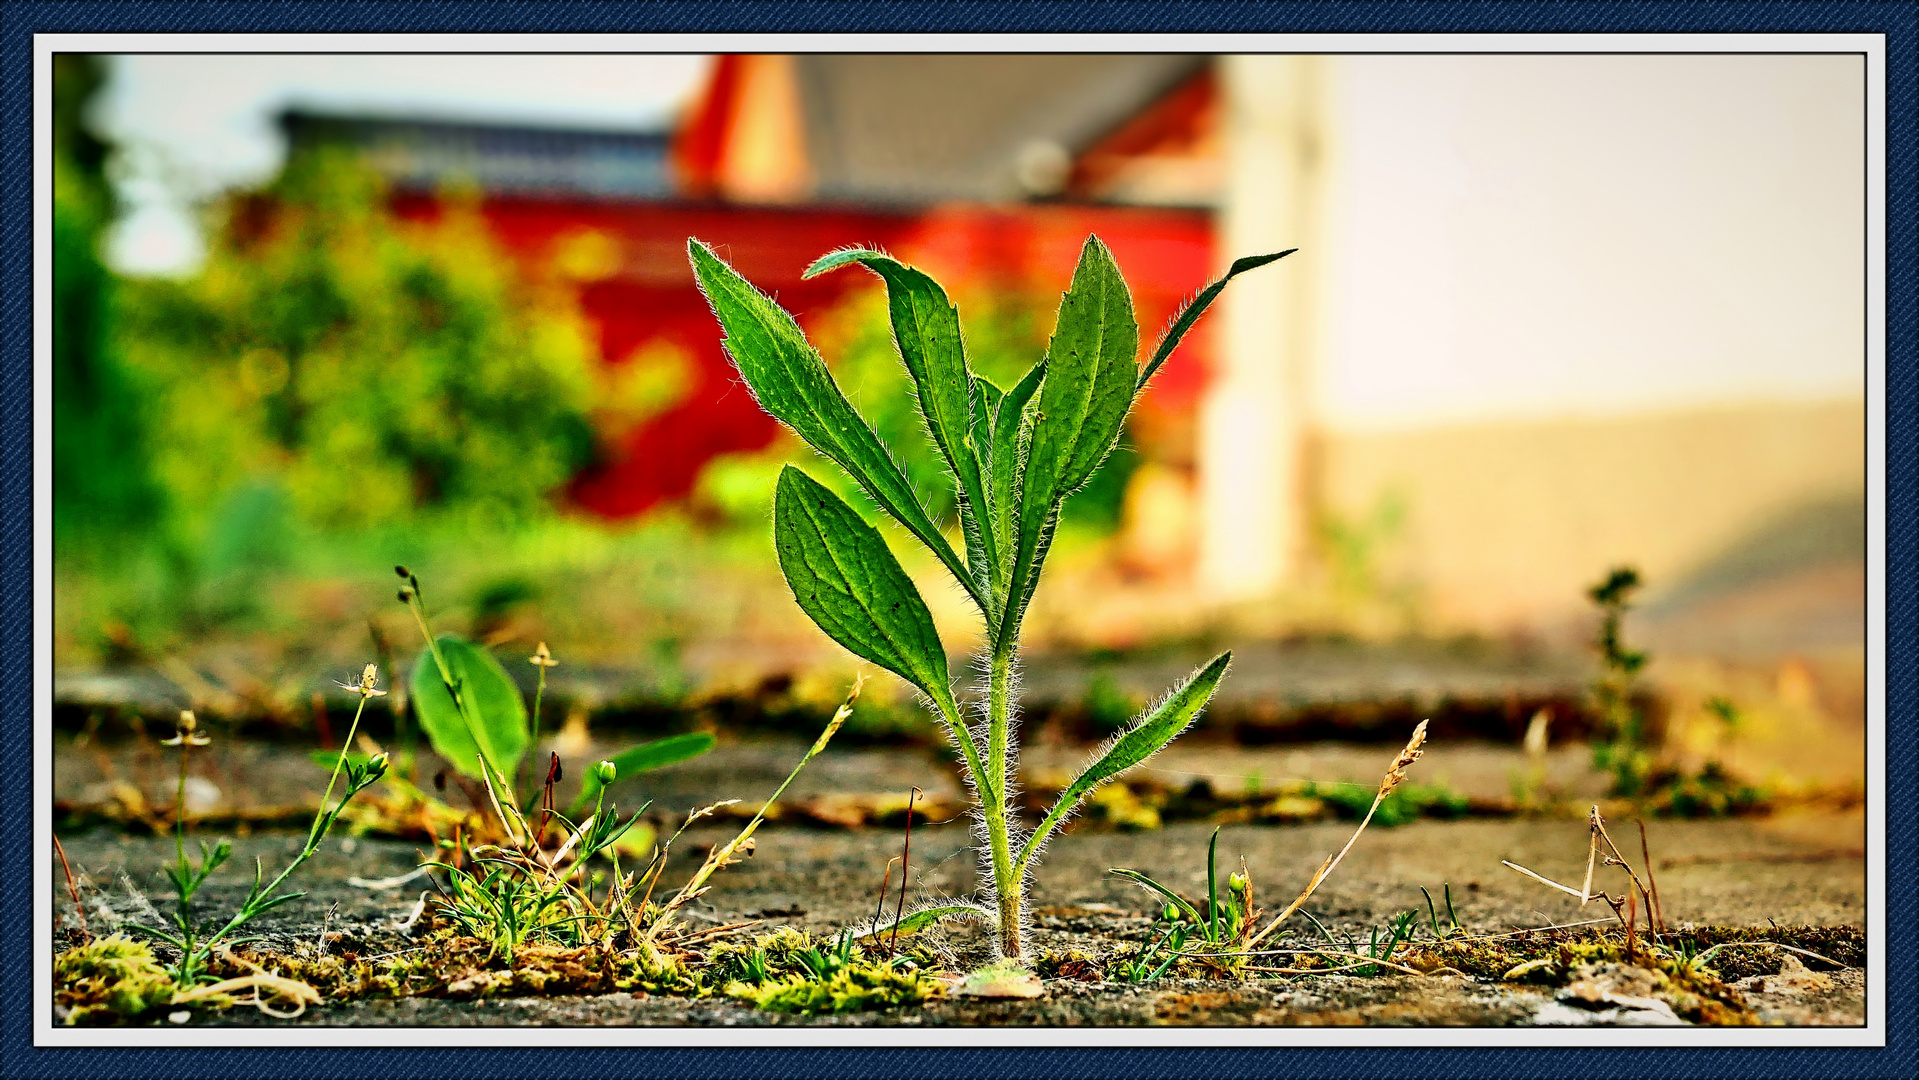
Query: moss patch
x,y
466,968
113,980
789,970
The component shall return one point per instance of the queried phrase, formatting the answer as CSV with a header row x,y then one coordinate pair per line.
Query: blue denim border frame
x,y
21,19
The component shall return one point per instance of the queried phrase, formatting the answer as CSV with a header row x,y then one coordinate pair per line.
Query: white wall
x,y
1528,236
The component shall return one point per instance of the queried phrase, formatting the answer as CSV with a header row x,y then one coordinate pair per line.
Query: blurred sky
x,y
193,125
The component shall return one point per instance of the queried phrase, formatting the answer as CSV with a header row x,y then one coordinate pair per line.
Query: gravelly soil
x,y
1741,872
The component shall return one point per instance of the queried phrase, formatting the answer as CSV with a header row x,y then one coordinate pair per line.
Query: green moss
x,y
112,980
454,967
790,970
857,987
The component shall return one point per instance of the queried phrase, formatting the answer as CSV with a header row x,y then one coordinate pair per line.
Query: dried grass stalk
x,y
1395,775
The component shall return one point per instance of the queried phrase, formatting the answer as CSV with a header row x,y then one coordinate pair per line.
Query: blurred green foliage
x,y
372,367
102,484
1405,803
335,377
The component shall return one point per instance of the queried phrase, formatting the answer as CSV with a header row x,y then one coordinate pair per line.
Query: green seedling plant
x,y
1625,749
1221,919
1218,928
520,892
1015,454
1452,927
1382,942
474,716
196,941
1622,752
1156,959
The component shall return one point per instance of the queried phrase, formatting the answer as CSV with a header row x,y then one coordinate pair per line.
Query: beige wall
x,y
1507,522
1574,310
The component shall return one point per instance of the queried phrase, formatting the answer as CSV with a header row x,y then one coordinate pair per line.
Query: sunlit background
x,y
1549,315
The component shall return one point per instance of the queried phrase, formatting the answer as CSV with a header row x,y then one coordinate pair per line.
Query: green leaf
x,y
1212,887
1155,728
1172,897
846,579
914,922
791,382
926,329
1092,369
1092,365
646,757
1191,312
1010,429
495,712
986,397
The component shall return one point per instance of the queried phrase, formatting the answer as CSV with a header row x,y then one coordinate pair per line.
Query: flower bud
x,y
376,767
1171,913
1236,882
403,572
607,772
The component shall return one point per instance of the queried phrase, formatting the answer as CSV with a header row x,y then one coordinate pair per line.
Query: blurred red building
x,y
987,171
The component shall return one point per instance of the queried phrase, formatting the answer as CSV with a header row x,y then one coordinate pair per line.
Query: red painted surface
x,y
1165,254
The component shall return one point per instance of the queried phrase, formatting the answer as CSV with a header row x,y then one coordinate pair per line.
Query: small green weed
x,y
1216,930
197,941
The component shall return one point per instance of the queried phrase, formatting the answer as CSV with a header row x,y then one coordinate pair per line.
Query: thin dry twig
x,y
73,891
905,852
1655,911
1544,880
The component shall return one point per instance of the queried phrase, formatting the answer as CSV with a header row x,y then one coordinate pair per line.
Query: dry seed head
x,y
184,734
1536,733
1397,774
839,716
365,686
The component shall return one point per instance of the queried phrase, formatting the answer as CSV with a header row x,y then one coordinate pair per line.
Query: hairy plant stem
x,y
1007,881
